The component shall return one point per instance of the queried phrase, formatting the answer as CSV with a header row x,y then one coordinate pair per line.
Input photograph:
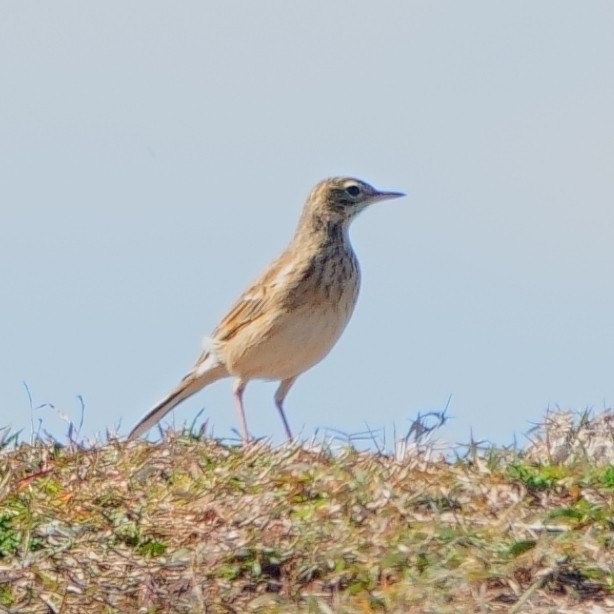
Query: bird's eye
x,y
353,190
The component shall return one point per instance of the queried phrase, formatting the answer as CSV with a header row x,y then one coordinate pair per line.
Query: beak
x,y
386,195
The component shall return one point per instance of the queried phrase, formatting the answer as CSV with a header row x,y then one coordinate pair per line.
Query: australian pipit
x,y
292,315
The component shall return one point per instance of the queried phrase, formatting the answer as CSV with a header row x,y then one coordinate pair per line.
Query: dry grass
x,y
191,525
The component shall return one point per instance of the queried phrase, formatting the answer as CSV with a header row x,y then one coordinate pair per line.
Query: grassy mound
x,y
192,525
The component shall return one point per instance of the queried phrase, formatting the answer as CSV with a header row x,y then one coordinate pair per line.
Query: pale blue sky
x,y
155,156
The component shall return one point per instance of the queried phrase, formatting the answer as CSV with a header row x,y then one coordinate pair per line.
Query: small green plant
x,y
607,476
538,477
10,537
151,547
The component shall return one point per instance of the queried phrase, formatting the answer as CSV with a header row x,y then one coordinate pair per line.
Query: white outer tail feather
x,y
206,371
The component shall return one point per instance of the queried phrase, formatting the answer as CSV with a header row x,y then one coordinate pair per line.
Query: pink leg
x,y
238,389
280,395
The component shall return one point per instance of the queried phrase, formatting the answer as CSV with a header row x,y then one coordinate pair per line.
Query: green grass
x,y
192,525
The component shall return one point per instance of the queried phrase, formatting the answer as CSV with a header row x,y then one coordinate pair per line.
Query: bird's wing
x,y
261,301
246,310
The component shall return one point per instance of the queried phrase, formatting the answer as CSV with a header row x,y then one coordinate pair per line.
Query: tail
x,y
206,371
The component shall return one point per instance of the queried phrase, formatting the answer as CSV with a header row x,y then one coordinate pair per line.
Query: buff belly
x,y
288,346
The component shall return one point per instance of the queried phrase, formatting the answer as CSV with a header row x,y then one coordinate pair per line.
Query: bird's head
x,y
341,199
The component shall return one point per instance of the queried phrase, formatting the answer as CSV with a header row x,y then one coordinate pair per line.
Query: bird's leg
x,y
238,389
280,395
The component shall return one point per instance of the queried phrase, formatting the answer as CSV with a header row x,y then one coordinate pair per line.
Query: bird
x,y
292,315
